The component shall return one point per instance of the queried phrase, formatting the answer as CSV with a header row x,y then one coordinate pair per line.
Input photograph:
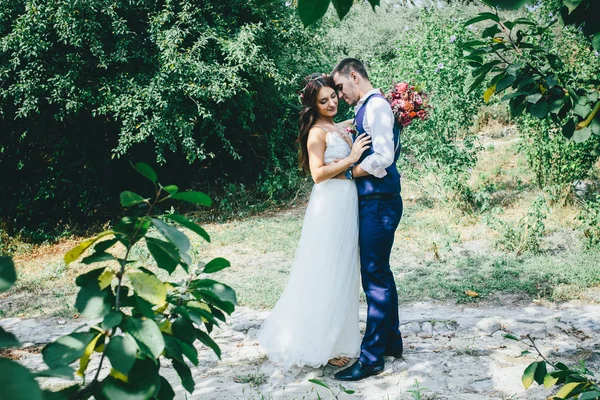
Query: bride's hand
x,y
362,143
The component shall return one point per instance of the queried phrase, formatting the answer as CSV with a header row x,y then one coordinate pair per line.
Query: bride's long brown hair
x,y
308,115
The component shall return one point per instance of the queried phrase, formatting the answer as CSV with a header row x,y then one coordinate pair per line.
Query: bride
x,y
316,319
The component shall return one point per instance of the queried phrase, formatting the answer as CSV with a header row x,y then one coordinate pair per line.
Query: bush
x,y
210,84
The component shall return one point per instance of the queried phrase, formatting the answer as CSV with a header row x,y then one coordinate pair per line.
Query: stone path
x,y
456,352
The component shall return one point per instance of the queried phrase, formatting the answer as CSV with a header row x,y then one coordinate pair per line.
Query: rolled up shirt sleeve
x,y
379,124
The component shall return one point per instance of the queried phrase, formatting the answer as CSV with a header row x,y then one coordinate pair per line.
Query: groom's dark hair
x,y
348,65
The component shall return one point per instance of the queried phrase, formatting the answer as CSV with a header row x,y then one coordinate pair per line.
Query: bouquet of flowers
x,y
408,102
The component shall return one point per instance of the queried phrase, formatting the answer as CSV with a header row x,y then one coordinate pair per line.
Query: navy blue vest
x,y
370,184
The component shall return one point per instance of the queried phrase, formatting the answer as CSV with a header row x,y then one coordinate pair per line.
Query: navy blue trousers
x,y
378,222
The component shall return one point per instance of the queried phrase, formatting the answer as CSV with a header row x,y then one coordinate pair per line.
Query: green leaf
x,y
529,375
482,17
524,21
67,393
213,299
318,382
534,98
215,265
17,383
342,7
223,291
540,109
347,391
173,348
112,319
66,349
91,301
189,351
166,391
511,337
181,220
583,110
7,339
165,254
195,197
481,75
568,129
149,287
8,275
207,340
557,105
505,83
506,4
121,351
146,171
171,189
490,31
129,199
540,372
589,395
200,313
572,4
98,256
596,42
595,126
184,330
59,372
146,334
143,383
581,135
174,236
185,375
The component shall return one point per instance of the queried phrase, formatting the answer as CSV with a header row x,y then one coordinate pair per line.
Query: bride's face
x,y
327,102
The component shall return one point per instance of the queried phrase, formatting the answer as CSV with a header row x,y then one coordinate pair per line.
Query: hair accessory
x,y
301,92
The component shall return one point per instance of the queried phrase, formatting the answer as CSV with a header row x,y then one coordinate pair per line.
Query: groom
x,y
380,210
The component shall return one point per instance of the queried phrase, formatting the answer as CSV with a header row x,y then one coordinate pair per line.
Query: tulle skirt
x,y
316,317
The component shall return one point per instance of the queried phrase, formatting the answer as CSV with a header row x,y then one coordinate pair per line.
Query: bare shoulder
x,y
317,134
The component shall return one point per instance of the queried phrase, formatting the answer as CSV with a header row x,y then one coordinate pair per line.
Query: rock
x,y
488,326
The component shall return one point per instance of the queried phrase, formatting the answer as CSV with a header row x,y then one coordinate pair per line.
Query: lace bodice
x,y
336,147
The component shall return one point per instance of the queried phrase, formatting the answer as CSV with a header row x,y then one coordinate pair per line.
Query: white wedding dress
x,y
316,317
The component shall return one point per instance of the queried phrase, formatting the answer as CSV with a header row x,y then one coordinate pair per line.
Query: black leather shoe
x,y
358,371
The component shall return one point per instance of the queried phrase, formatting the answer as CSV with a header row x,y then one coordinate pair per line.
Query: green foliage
x,y
526,234
555,161
590,219
142,317
416,392
209,83
334,395
572,382
524,55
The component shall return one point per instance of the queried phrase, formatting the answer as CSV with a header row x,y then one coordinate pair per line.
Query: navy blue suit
x,y
380,209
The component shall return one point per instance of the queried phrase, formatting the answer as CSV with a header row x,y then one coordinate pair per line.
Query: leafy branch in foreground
x,y
576,382
516,53
139,316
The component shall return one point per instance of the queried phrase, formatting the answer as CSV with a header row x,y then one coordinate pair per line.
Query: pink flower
x,y
401,87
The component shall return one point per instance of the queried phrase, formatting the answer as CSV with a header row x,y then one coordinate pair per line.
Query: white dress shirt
x,y
378,122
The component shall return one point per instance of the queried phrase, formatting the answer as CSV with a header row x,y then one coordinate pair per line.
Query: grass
x,y
438,253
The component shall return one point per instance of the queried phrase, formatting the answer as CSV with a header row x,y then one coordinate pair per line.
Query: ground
x,y
460,291
452,351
